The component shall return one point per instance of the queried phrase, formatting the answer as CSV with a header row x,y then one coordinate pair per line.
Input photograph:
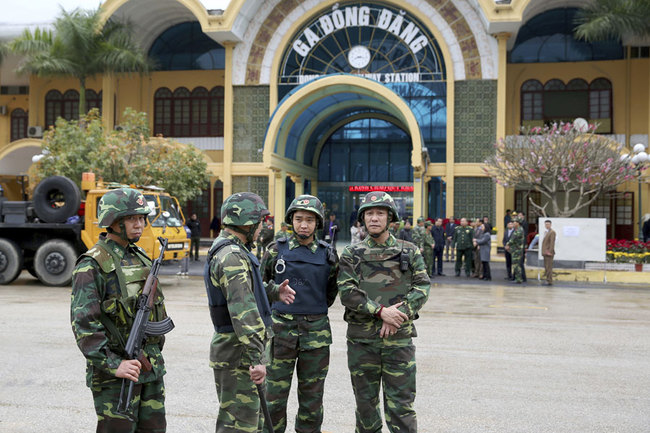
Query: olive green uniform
x,y
463,238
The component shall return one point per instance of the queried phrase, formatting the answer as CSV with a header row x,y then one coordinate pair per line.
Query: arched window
x,y
53,107
18,124
600,102
556,102
548,37
163,112
66,105
531,100
93,100
182,113
185,47
71,105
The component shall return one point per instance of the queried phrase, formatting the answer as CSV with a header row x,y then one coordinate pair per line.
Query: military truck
x,y
48,233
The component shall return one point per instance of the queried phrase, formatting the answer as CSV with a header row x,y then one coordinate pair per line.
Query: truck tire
x,y
56,199
54,262
11,261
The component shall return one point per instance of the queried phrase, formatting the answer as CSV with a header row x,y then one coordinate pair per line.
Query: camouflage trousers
x,y
311,369
148,408
517,271
239,402
428,261
380,363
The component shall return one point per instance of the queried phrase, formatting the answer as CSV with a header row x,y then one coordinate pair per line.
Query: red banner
x,y
387,188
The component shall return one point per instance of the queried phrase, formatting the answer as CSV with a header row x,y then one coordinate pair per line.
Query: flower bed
x,y
624,251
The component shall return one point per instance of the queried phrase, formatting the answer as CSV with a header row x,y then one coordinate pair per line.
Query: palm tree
x,y
605,19
81,47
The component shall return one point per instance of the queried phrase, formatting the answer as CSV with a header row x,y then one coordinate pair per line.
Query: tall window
x,y
66,105
18,124
555,101
185,113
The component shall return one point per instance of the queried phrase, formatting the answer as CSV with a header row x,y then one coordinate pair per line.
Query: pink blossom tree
x,y
569,166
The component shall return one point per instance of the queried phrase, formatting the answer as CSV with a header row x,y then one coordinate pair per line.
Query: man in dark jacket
x,y
331,230
195,228
406,233
439,240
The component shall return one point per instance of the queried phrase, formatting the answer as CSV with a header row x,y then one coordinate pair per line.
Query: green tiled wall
x,y
251,116
474,197
257,184
475,120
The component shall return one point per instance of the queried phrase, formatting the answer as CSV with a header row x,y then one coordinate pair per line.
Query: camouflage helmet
x,y
378,199
309,203
242,209
420,220
428,223
121,202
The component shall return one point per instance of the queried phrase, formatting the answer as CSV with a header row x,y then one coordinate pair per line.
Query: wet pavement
x,y
492,357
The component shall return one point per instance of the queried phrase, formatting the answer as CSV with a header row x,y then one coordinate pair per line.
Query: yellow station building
x,y
337,98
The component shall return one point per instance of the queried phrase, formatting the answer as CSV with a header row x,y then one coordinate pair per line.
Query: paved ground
x,y
492,357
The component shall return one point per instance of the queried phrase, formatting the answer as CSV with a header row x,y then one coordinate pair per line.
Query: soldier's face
x,y
376,220
134,224
304,223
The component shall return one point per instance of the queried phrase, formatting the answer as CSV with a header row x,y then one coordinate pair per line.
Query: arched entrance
x,y
312,113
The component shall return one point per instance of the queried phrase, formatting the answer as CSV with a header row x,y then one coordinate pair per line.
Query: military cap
x,y
428,223
421,219
242,209
119,203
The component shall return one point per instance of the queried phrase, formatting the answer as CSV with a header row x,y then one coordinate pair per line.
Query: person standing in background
x,y
548,252
195,236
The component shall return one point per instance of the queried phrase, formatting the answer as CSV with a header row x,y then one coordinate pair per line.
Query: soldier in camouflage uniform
x,y
106,283
464,240
427,248
515,247
383,284
240,313
418,234
302,333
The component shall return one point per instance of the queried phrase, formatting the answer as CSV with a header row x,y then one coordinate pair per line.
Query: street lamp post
x,y
639,160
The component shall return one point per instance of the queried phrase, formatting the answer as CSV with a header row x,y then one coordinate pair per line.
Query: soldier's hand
x,y
287,294
387,330
257,373
129,369
392,316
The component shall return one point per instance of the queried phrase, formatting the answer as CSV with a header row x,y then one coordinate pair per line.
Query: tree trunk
x,y
82,97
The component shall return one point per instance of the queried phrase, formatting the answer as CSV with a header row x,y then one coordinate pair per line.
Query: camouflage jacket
x,y
418,236
281,234
516,242
370,276
102,310
463,237
231,271
310,334
427,241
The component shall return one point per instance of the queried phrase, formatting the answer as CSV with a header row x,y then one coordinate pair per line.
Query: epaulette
x,y
101,257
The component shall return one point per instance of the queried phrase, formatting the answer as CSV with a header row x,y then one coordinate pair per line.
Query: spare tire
x,y
56,199
54,262
11,261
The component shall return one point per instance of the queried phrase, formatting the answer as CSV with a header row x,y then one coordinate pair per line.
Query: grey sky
x,y
39,12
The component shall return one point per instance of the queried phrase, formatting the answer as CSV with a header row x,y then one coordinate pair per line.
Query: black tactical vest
x,y
217,301
307,273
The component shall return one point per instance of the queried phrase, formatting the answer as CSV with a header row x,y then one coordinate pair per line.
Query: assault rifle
x,y
142,328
